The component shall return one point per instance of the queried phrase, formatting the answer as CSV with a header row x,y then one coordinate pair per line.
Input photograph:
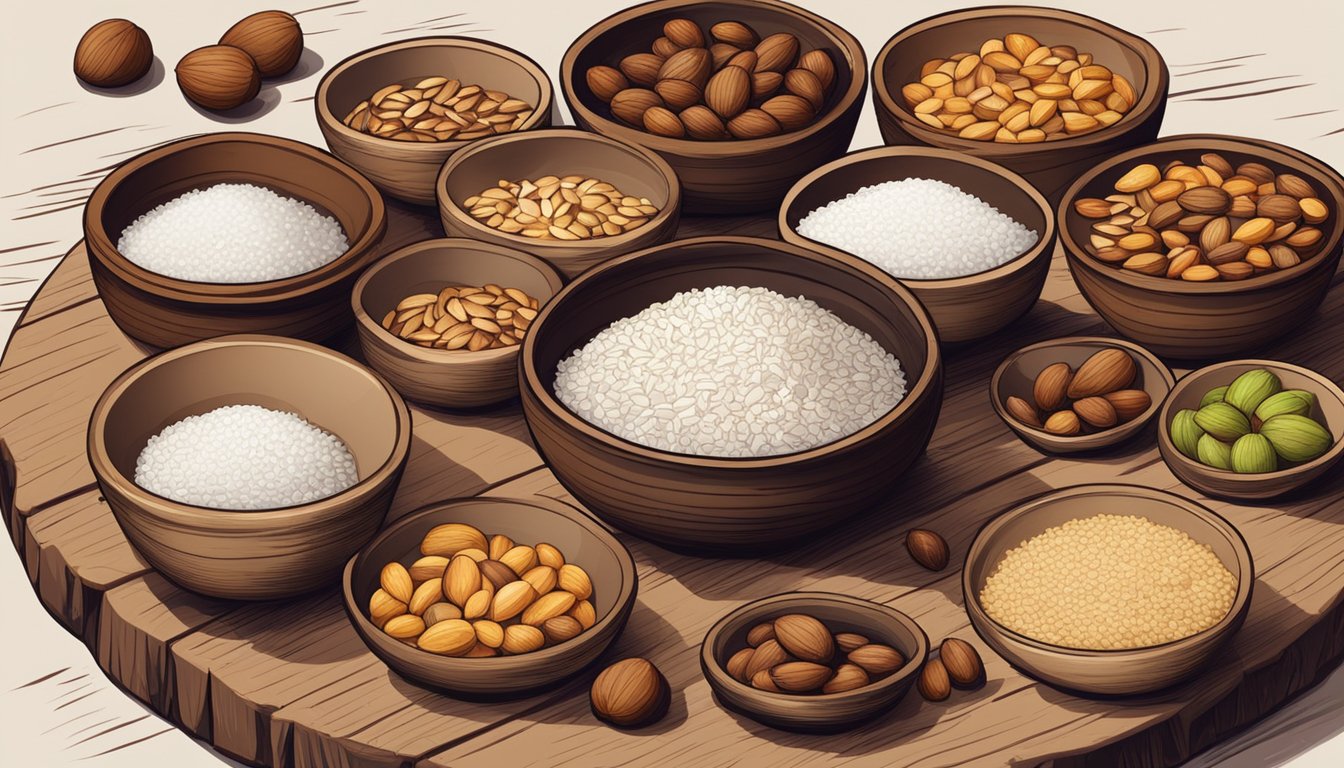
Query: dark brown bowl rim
x,y
914,392
450,207
1045,239
843,40
1155,82
1318,171
1170,455
178,512
1245,564
264,292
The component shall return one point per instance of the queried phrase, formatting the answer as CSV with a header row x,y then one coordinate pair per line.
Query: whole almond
x,y
441,612
721,53
497,573
1096,411
1227,253
1022,411
521,559
679,94
690,64
499,544
877,659
548,606
1105,371
383,607
112,53
762,681
450,538
558,629
1280,208
396,581
1254,231
522,638
511,599
753,124
1051,386
734,33
488,633
961,661
661,121
427,568
425,595
927,548
549,555
605,82
728,91
760,633
1129,404
218,77
848,641
1092,208
934,683
1207,200
405,626
701,123
478,604
584,613
630,693
1064,423
1236,270
641,68
765,84
542,578
819,63
664,47
1294,186
453,637
630,104
1139,177
737,664
801,82
767,655
461,580
804,637
1283,256
1150,263
746,60
575,580
684,33
272,38
799,676
776,52
790,111
847,677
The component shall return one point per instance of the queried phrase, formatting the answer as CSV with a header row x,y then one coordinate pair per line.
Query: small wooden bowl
x,y
165,312
963,308
731,506
1181,319
244,554
820,713
1121,672
1016,376
456,378
1190,389
529,521
634,170
733,176
402,169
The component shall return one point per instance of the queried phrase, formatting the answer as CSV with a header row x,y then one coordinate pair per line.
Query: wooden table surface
x,y
291,684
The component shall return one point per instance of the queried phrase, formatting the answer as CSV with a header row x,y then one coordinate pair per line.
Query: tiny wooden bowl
x,y
246,554
732,176
731,506
406,170
815,713
527,521
165,312
963,308
1190,389
633,169
1188,320
1119,672
1049,165
1016,376
441,377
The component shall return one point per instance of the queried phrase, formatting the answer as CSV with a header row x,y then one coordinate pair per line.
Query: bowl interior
x,y
1019,376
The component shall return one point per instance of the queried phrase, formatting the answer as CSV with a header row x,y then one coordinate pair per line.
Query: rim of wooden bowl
x,y
1296,161
844,42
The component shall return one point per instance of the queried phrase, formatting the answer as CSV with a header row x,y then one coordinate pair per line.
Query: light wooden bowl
x,y
634,170
440,377
819,713
245,554
963,308
163,311
1121,672
407,170
1190,389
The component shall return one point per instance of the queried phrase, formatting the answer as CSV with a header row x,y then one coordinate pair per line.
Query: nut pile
x,y
464,317
1096,397
1018,91
469,596
559,208
732,85
438,109
957,664
797,654
1210,221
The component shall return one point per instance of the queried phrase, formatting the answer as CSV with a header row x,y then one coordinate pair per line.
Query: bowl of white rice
x,y
249,467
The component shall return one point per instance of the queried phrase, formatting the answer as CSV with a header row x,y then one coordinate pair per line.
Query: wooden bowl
x,y
963,308
447,378
820,713
1329,410
406,170
731,506
163,311
1120,672
632,169
1016,376
250,555
1182,319
1050,166
734,176
529,521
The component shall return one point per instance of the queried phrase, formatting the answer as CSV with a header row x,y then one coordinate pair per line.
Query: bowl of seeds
x,y
1108,589
397,111
571,197
444,319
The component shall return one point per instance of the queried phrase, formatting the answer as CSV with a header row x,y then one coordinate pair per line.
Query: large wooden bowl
x,y
406,169
163,311
724,176
246,554
963,308
1050,165
1188,320
634,170
732,506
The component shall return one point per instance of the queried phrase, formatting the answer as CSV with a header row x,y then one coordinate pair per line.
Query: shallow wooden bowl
x,y
244,554
634,170
529,521
163,311
819,713
447,378
1181,319
406,170
1050,165
724,176
1190,389
731,506
1016,376
963,308
1121,672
